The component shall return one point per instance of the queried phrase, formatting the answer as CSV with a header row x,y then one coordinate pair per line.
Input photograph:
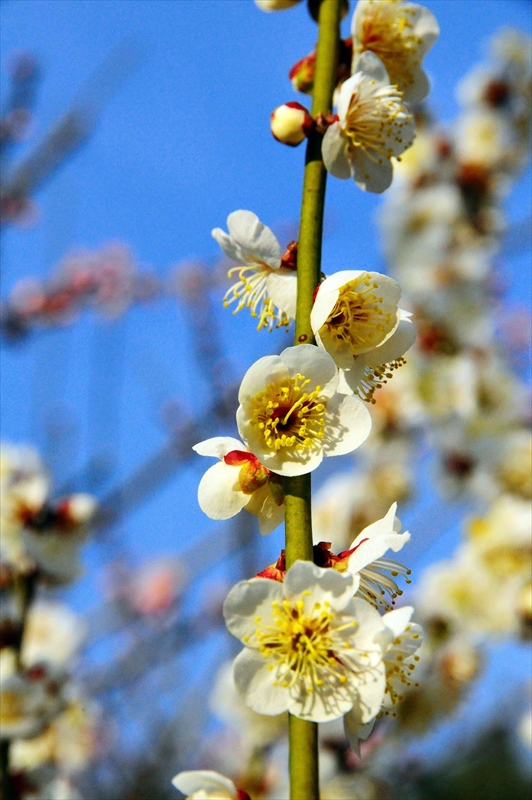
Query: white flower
x,y
205,785
310,645
253,730
373,125
275,5
264,285
355,318
29,700
53,633
400,640
366,561
239,481
400,34
290,414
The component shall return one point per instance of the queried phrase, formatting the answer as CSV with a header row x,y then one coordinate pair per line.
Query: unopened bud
x,y
275,5
291,123
78,509
302,74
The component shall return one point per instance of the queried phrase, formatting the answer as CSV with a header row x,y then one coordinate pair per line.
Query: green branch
x,y
303,735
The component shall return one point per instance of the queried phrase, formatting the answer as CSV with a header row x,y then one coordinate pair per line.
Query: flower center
x,y
302,646
388,32
287,416
374,120
358,321
250,292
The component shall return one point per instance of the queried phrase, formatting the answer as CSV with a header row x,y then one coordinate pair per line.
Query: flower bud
x,y
291,123
275,5
302,74
78,509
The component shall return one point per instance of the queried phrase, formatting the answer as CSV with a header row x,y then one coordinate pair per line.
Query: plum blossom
x,y
373,125
400,640
310,646
356,319
365,559
400,34
290,414
29,700
239,481
207,785
267,281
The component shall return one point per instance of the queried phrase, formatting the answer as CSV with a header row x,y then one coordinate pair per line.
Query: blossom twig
x,y
304,781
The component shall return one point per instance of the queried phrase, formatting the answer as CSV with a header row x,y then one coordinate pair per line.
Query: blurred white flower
x,y
400,34
310,646
53,633
265,285
239,481
290,414
29,700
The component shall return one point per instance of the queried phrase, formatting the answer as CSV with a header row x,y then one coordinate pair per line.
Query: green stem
x,y
303,735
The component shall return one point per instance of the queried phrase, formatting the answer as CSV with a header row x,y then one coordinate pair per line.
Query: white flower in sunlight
x,y
400,34
400,640
310,645
373,125
290,414
265,285
276,5
239,481
356,319
55,552
205,785
366,560
501,539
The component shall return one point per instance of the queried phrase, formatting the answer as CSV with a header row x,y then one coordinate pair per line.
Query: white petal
x,y
263,506
268,369
347,90
355,730
255,682
218,446
228,246
247,600
219,492
315,364
323,584
396,346
419,89
378,528
426,25
347,425
326,703
334,151
372,67
350,378
398,619
372,176
254,238
281,286
371,549
207,780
